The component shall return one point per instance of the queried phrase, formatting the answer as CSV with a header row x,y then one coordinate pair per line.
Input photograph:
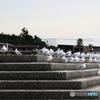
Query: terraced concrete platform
x,y
30,77
47,75
43,66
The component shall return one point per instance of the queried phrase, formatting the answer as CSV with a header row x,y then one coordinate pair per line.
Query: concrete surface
x,y
47,95
30,77
42,66
47,75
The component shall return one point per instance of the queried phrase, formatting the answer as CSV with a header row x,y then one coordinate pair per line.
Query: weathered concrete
x,y
16,58
54,60
80,83
87,61
72,66
25,66
42,66
27,58
46,75
40,84
31,58
30,77
46,94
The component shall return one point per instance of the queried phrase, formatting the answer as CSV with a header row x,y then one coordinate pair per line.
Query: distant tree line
x,y
24,38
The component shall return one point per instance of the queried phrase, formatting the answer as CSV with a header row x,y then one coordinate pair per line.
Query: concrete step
x,y
47,75
39,84
30,58
96,88
16,58
87,61
27,58
49,94
25,66
42,66
79,83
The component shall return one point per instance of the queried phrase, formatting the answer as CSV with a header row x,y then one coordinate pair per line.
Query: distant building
x,y
70,44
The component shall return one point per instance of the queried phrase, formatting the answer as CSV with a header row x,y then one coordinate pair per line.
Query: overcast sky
x,y
51,18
